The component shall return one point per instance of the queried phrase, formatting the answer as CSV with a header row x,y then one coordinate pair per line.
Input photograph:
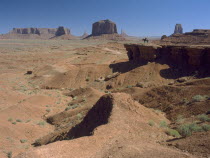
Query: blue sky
x,y
136,17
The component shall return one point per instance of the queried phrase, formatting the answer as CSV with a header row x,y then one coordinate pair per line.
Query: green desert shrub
x,y
19,120
41,123
72,107
195,128
67,108
199,98
10,119
206,127
14,123
48,110
28,120
129,86
151,123
203,117
23,140
184,130
173,133
79,116
163,124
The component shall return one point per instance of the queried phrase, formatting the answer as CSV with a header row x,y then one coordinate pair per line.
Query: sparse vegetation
x,y
10,119
79,115
157,111
68,108
19,120
28,120
23,140
14,123
203,117
206,127
48,110
72,107
163,124
151,123
184,130
194,127
199,98
74,98
129,86
173,133
41,123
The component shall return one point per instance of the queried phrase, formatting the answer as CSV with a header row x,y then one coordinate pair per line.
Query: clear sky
x,y
136,17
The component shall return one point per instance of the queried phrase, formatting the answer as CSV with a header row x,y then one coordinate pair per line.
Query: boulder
x,y
112,76
104,27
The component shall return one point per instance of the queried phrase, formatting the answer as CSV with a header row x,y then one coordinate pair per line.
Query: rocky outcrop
x,y
62,31
189,56
84,35
123,33
178,29
197,36
199,32
142,52
104,27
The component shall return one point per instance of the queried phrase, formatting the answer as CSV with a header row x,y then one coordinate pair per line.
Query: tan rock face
x,y
104,27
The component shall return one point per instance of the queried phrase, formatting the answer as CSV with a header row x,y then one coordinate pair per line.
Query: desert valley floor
x,y
84,99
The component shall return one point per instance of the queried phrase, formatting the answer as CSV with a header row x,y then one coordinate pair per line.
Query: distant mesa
x,y
25,31
36,33
105,30
197,36
62,31
178,29
104,27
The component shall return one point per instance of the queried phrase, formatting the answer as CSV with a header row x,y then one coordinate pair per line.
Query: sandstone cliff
x,y
189,57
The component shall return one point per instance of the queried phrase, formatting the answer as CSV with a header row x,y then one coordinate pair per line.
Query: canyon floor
x,y
84,99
